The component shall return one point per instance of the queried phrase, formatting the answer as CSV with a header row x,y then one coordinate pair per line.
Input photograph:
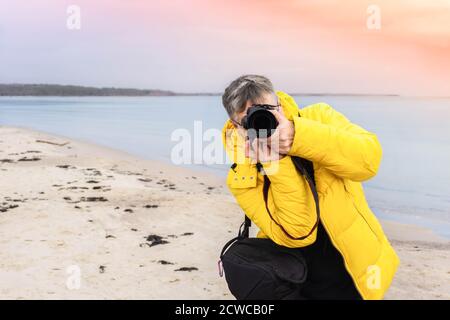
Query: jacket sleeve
x,y
335,143
289,201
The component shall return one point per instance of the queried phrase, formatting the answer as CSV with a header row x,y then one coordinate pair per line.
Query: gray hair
x,y
246,87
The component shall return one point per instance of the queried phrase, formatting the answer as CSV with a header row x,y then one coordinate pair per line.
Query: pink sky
x,y
200,45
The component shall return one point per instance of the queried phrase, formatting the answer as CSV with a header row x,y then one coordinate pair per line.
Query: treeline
x,y
69,90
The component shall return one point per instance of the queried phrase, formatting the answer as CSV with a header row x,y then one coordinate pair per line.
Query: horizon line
x,y
166,92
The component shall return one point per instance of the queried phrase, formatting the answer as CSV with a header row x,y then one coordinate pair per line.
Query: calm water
x,y
412,184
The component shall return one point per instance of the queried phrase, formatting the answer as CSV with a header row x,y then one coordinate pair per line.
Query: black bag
x,y
258,268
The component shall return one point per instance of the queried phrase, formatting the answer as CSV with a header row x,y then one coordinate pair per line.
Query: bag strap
x,y
242,234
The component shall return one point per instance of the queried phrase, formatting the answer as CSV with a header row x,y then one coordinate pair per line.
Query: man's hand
x,y
276,146
259,150
284,133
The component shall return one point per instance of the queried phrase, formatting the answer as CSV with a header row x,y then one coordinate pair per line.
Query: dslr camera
x,y
260,121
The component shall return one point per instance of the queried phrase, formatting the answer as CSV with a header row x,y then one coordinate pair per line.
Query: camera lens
x,y
262,121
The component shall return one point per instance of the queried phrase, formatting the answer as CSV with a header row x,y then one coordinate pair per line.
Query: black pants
x,y
327,277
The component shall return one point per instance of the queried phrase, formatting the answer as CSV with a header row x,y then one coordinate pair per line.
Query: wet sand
x,y
139,229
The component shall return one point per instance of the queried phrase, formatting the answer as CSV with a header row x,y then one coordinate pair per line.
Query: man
x,y
348,255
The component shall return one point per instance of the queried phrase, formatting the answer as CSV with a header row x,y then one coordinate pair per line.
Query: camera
x,y
261,120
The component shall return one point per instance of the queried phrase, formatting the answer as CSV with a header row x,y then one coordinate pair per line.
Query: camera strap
x,y
305,168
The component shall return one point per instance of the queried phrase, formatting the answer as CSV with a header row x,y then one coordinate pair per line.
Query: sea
x,y
412,185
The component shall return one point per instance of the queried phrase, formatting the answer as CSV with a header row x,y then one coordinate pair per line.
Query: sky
x,y
321,46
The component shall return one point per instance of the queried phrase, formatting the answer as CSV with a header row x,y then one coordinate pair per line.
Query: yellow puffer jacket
x,y
343,155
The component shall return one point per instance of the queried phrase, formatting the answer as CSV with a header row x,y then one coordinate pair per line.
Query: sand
x,y
80,221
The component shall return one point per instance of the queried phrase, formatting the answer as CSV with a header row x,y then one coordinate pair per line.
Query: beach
x,y
140,229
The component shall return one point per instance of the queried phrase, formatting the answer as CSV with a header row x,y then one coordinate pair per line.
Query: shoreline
x,y
103,150
61,210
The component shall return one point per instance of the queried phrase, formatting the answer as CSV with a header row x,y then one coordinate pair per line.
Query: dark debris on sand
x,y
148,206
29,159
5,207
186,269
75,188
153,240
92,172
93,199
65,166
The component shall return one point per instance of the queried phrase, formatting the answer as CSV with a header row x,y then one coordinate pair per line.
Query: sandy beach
x,y
139,229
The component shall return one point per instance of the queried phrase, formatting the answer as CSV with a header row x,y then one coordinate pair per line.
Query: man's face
x,y
266,98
